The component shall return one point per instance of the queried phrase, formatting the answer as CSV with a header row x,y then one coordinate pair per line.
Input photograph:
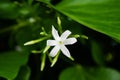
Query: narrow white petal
x,y
55,33
65,51
54,51
70,41
51,43
65,34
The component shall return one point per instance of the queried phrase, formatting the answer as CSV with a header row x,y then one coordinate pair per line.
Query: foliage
x,y
95,24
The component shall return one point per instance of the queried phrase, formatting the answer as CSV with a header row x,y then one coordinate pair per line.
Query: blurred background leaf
x,y
98,53
9,10
10,63
80,73
24,73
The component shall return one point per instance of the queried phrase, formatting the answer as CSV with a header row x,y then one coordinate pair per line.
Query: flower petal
x,y
70,41
51,43
55,33
65,34
65,51
54,51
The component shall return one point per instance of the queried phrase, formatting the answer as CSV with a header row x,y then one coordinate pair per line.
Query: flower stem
x,y
14,27
35,41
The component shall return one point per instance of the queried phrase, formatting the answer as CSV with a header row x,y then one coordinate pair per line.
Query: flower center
x,y
60,42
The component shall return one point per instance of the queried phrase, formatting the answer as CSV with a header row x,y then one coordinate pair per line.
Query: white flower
x,y
60,42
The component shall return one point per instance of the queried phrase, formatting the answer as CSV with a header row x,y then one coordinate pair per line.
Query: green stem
x,y
36,41
14,27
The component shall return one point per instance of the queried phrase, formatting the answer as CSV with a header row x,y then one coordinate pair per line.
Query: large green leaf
x,y
99,15
10,63
79,73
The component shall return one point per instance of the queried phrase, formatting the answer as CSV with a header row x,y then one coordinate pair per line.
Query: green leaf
x,y
8,10
97,53
10,63
30,2
79,73
100,15
72,73
102,74
45,1
24,73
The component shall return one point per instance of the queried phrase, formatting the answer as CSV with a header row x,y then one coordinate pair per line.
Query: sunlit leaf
x,y
99,15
